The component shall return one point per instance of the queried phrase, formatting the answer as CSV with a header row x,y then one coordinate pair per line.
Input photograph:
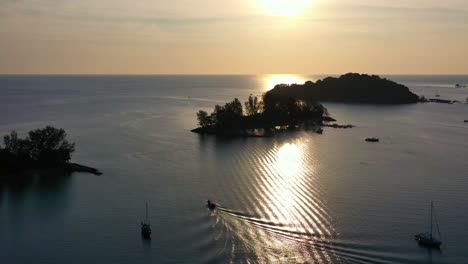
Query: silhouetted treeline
x,y
41,148
351,87
269,111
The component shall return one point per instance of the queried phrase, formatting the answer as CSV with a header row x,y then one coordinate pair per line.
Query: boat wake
x,y
285,217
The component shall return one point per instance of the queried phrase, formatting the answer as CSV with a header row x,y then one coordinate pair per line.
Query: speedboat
x,y
372,139
210,205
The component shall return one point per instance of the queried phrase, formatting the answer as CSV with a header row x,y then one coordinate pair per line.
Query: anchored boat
x,y
428,239
145,226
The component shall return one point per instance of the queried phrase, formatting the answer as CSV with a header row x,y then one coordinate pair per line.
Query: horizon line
x,y
225,74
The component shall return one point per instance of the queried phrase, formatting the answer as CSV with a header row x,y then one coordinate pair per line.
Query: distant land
x,y
350,88
297,105
41,150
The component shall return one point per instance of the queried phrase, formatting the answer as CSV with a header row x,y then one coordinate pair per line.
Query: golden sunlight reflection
x,y
290,222
269,81
290,159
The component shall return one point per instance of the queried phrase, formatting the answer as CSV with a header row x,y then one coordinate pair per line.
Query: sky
x,y
233,36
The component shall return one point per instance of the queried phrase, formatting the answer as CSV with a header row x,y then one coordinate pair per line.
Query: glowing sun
x,y
285,8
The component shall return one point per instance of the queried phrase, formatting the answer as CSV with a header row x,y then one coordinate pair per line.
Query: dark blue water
x,y
295,197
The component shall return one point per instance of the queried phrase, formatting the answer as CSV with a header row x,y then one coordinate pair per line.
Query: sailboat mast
x,y
431,219
147,212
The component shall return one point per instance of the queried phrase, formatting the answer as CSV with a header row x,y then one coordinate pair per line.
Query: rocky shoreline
x,y
65,168
74,167
269,130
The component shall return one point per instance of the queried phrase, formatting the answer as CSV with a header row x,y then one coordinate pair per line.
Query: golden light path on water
x,y
290,223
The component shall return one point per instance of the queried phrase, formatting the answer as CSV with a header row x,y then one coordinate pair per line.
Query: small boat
x,y
466,121
428,239
210,205
145,226
372,139
319,131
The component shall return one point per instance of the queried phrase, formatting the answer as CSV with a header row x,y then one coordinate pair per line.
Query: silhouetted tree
x,y
41,146
273,109
280,107
17,147
49,145
204,120
228,115
253,106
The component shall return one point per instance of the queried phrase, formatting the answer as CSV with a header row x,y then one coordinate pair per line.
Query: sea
x,y
297,197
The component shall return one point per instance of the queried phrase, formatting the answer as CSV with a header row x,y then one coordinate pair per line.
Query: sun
x,y
284,8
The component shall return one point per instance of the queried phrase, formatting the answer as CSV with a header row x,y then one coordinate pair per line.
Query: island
x,y
262,117
350,88
296,106
41,149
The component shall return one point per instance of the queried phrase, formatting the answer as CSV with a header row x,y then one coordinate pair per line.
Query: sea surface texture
x,y
296,197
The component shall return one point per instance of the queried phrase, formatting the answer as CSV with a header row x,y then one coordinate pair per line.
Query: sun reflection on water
x,y
290,222
290,160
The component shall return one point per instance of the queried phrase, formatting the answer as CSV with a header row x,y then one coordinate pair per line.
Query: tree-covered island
x,y
41,149
350,88
297,105
261,116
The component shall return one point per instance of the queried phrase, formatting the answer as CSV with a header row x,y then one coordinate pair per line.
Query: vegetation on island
x,y
350,88
293,105
270,111
45,148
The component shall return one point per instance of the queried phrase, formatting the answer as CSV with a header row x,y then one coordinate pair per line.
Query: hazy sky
x,y
233,36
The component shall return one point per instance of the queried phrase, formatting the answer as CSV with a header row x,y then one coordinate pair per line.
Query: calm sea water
x,y
297,197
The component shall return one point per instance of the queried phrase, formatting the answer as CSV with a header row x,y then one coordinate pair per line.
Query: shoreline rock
x,y
338,126
74,167
66,168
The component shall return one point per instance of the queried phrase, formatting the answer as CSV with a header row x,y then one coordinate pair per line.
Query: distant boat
x,y
319,131
372,139
145,226
428,239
